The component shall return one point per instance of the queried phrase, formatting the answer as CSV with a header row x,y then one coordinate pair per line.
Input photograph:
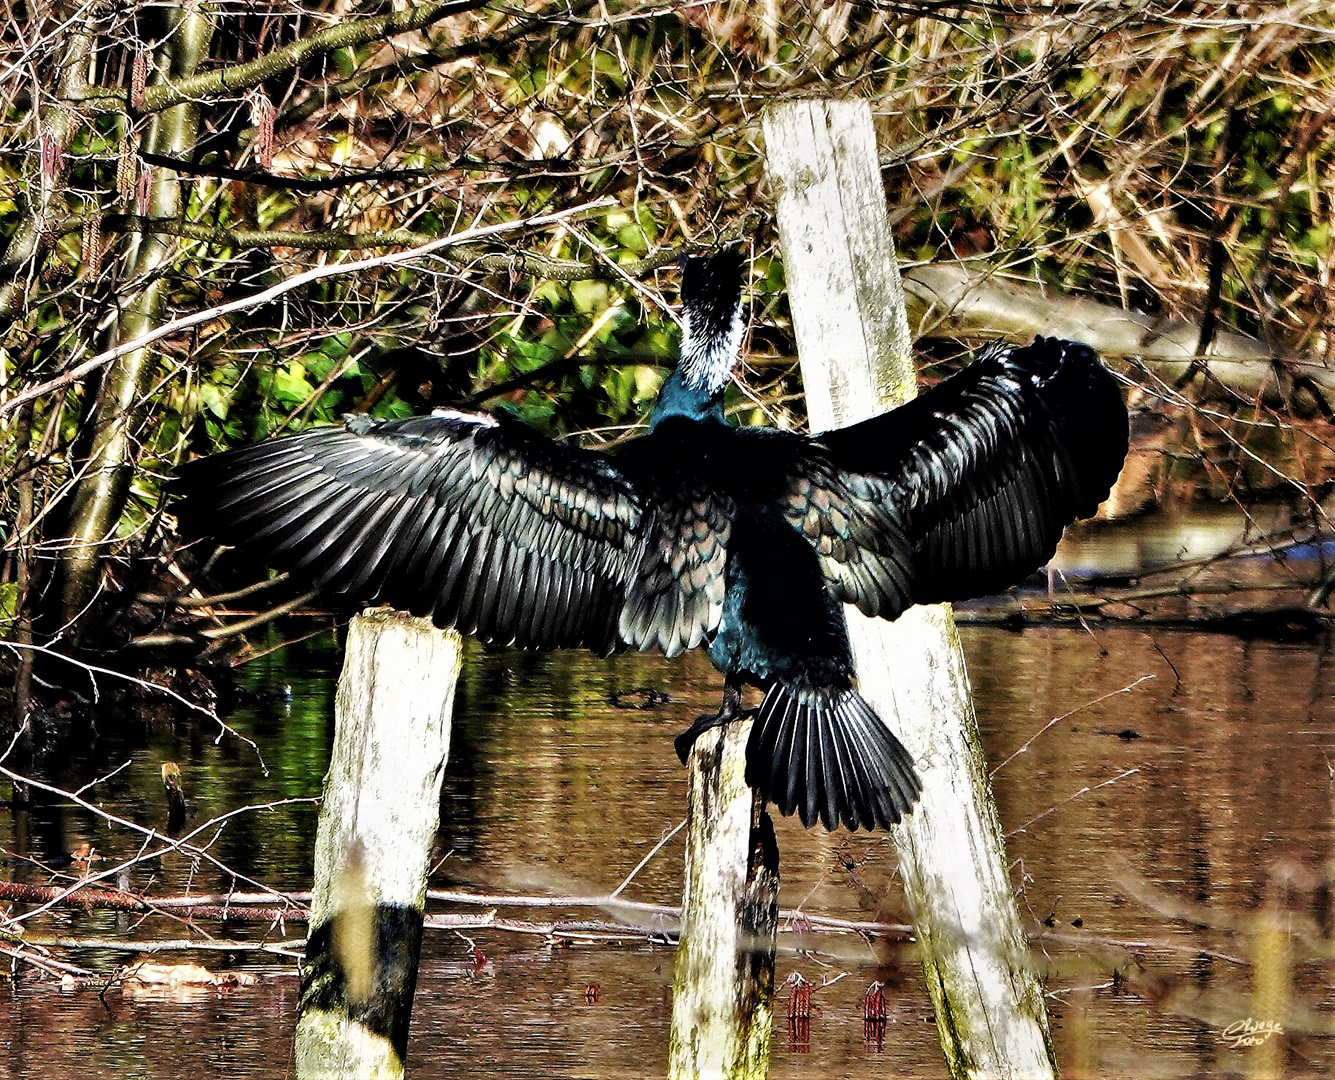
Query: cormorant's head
x,y
711,316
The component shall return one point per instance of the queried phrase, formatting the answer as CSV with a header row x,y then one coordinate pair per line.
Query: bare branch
x,y
245,303
347,33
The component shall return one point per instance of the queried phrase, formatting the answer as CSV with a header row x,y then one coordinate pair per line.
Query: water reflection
x,y
1137,888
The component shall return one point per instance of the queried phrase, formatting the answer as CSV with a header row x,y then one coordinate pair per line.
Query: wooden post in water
x,y
377,825
723,978
853,339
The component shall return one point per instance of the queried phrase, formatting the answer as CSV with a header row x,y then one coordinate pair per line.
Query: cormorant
x,y
746,541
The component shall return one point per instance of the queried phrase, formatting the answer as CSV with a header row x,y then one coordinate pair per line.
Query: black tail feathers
x,y
824,753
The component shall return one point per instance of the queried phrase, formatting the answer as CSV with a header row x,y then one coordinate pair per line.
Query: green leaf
x,y
337,345
346,61
589,297
549,292
632,238
648,381
290,385
214,399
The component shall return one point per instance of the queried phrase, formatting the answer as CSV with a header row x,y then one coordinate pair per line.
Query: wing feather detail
x,y
481,524
966,489
676,599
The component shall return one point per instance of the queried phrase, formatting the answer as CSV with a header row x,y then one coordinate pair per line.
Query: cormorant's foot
x,y
686,739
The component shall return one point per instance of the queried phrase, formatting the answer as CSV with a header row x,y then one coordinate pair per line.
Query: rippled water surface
x,y
1147,830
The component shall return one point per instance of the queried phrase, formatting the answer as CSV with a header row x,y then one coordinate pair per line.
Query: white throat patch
x,y
709,356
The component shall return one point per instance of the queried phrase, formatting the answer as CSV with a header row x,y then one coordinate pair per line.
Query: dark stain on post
x,y
759,908
397,936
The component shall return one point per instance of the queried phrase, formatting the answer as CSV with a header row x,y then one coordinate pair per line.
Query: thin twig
x,y
643,862
1066,715
1070,799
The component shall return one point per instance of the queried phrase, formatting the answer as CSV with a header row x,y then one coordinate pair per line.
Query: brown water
x,y
1225,799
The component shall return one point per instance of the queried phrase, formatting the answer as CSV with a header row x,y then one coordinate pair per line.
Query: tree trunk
x,y
373,847
723,977
110,423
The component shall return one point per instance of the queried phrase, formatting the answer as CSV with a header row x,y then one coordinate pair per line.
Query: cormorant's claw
x,y
686,739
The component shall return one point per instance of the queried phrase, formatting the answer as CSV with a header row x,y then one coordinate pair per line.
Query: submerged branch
x,y
58,968
263,907
249,907
289,947
87,898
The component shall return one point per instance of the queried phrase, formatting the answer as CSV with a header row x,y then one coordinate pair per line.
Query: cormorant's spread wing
x,y
967,488
480,524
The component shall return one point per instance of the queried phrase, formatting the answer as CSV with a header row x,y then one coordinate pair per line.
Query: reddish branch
x,y
89,898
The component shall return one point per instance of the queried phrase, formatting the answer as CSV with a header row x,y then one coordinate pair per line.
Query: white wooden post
x,y
723,978
852,333
377,825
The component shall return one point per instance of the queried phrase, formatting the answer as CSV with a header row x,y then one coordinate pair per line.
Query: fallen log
x,y
959,300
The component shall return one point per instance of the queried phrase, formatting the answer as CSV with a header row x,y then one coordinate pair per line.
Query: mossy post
x,y
723,979
852,333
373,846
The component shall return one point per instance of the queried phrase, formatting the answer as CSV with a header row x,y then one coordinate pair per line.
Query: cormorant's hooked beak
x,y
711,311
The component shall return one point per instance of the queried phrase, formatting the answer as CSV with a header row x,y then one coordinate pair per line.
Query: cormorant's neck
x,y
711,338
678,397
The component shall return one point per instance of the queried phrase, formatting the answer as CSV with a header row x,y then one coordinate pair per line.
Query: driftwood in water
x,y
372,850
723,979
853,339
